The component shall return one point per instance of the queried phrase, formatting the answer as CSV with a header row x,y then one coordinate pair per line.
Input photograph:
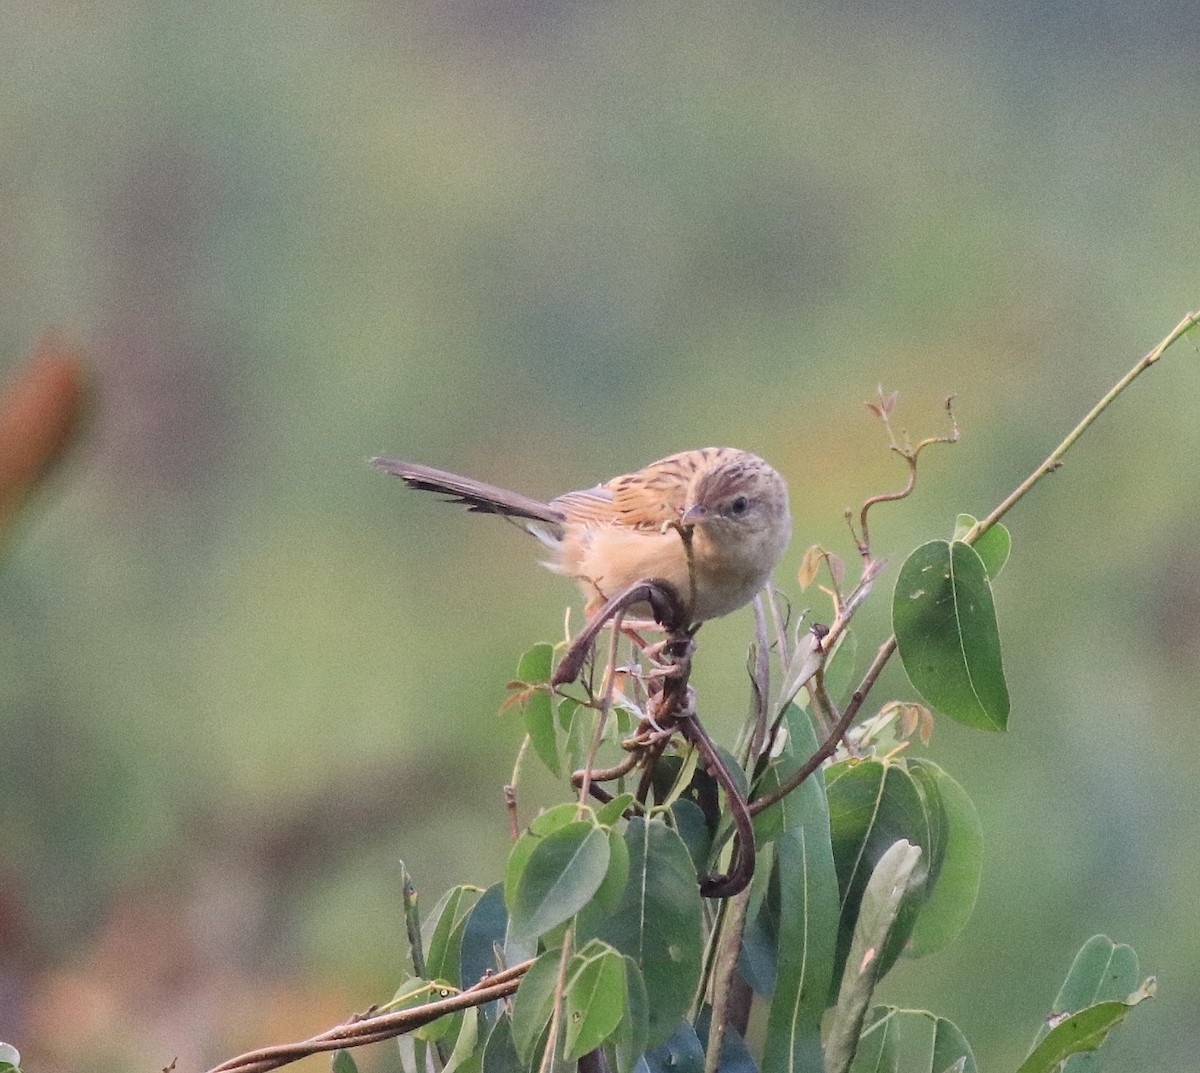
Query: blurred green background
x,y
544,242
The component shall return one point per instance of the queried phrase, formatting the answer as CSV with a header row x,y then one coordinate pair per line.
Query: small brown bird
x,y
711,522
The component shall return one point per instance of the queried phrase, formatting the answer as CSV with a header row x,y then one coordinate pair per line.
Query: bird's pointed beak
x,y
696,513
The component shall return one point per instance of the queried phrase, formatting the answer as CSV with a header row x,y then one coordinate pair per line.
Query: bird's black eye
x,y
739,505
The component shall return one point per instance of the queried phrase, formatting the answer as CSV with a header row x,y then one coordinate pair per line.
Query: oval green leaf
x,y
993,547
658,922
595,999
807,924
630,1039
957,861
482,934
944,619
1081,1032
565,869
882,899
872,805
499,1053
534,1003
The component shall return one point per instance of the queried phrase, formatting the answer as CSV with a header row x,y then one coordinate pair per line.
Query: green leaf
x,y
533,1003
608,895
443,946
595,999
688,819
630,1039
343,1062
945,625
535,665
556,818
1102,971
533,670
735,1055
466,1057
872,805
444,932
565,869
993,547
681,1052
544,824
611,812
912,1040
1082,1031
839,670
658,922
483,932
578,724
954,887
499,1053
881,904
877,1044
540,726
951,1051
808,909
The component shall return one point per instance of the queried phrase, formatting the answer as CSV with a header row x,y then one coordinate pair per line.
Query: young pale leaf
x,y
533,694
952,897
880,907
808,912
945,625
565,869
993,547
533,1003
658,922
1082,1031
595,999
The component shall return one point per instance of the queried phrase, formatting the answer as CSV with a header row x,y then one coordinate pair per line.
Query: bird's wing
x,y
589,506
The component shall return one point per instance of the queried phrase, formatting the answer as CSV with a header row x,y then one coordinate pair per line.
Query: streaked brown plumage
x,y
732,503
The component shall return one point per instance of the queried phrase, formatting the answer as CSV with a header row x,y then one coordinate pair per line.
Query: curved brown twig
x,y
665,604
741,867
360,1031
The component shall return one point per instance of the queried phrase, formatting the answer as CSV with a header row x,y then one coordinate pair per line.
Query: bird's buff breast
x,y
605,559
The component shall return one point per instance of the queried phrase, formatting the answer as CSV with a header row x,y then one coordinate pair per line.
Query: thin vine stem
x,y
1054,459
1052,462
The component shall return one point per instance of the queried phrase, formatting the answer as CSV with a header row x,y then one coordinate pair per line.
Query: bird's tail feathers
x,y
473,494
